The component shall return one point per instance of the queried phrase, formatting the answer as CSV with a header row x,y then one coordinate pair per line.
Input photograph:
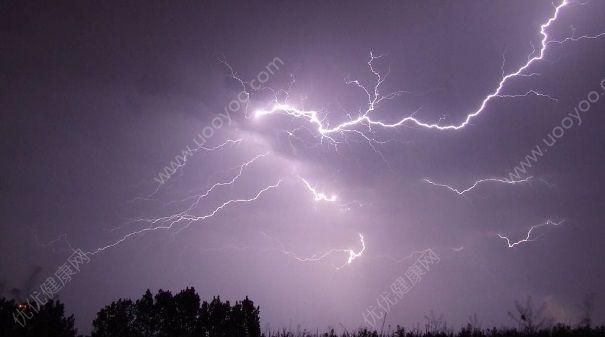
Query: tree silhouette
x,y
165,314
51,321
181,315
216,315
251,317
8,326
47,320
145,322
116,319
187,310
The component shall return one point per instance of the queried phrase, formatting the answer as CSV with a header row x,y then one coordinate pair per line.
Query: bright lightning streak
x,y
169,222
530,92
364,118
477,183
200,197
576,39
529,233
214,148
351,254
375,97
318,196
184,157
231,181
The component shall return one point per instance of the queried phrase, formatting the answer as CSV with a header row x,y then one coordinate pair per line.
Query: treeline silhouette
x,y
184,315
181,315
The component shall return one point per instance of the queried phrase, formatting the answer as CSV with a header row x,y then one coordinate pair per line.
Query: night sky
x,y
303,187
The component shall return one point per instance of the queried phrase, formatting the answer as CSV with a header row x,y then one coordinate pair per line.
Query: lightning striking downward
x,y
477,183
375,97
529,233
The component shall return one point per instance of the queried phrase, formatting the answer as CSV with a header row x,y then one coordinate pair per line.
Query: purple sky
x,y
98,98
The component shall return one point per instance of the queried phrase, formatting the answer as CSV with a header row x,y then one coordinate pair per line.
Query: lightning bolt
x,y
214,148
477,183
199,197
350,253
576,39
375,97
318,196
333,198
188,218
175,166
185,216
529,233
364,118
228,182
528,93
